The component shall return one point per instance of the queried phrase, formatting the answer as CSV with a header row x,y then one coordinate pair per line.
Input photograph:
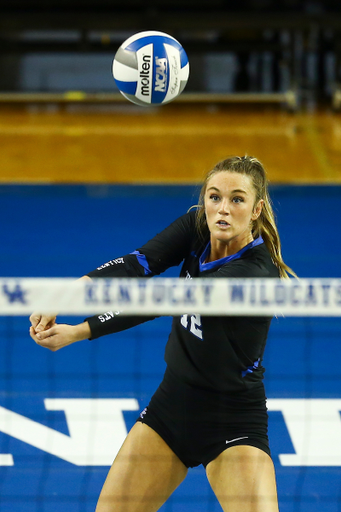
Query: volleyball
x,y
151,68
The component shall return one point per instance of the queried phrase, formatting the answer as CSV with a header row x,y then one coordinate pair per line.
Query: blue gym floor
x,y
64,231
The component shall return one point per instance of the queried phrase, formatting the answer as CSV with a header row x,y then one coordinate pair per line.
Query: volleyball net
x,y
64,415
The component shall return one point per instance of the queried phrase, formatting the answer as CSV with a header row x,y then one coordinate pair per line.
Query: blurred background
x,y
86,176
254,64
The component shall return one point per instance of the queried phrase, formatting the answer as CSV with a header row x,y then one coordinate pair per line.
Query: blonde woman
x,y
210,408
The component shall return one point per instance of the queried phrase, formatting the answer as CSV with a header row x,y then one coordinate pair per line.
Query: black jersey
x,y
222,353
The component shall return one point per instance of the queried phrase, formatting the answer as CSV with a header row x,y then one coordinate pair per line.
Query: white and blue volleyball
x,y
151,68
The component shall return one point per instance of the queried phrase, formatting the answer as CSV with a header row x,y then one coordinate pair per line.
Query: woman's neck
x,y
221,249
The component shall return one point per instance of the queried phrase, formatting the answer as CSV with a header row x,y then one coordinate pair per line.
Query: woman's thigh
x,y
243,480
143,475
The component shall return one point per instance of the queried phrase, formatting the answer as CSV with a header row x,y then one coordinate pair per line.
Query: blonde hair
x,y
265,224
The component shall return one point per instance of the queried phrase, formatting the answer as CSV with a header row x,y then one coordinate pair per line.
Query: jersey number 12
x,y
193,322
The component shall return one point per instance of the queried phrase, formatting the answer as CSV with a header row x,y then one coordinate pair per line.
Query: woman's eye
x,y
214,197
238,199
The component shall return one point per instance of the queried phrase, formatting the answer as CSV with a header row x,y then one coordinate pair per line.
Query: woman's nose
x,y
224,207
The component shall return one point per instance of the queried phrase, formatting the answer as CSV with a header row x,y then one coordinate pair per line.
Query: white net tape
x,y
172,296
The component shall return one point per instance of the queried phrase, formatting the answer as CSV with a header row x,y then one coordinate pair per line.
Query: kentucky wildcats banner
x,y
171,296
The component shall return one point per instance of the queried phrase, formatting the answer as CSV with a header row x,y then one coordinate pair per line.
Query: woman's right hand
x,y
61,335
41,322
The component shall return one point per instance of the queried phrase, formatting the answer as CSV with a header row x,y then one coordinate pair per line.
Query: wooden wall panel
x,y
171,144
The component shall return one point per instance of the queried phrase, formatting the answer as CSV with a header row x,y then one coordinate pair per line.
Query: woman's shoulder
x,y
190,216
255,262
259,262
188,222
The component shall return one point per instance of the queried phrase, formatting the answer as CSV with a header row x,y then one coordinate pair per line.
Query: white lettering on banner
x,y
314,426
96,426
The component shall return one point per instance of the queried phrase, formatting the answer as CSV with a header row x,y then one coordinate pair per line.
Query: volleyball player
x,y
210,408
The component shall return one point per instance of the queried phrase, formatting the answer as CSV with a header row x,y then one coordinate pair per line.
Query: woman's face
x,y
230,208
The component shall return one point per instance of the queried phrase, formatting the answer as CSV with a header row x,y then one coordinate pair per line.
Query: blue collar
x,y
218,263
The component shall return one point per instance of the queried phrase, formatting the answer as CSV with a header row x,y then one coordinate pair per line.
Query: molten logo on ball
x,y
145,75
151,68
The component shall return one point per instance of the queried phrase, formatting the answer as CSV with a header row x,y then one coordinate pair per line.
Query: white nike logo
x,y
237,439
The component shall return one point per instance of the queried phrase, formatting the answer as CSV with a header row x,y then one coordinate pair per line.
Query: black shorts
x,y
199,424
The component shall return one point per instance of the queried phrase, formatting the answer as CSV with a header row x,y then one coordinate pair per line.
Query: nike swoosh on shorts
x,y
237,439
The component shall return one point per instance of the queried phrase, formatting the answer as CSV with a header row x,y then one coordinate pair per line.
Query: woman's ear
x,y
257,210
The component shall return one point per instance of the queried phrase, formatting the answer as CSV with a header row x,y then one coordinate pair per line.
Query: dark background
x,y
258,46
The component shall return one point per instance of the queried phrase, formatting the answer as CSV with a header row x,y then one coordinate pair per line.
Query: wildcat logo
x,y
17,294
160,74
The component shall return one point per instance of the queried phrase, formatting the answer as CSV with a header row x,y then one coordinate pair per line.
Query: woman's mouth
x,y
222,224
